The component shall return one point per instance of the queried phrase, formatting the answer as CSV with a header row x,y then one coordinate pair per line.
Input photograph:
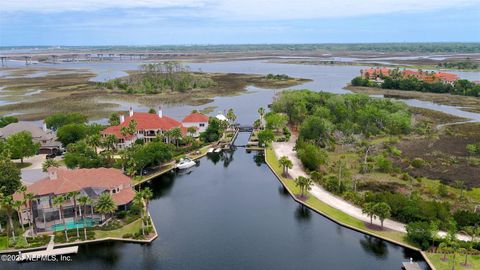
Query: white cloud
x,y
244,9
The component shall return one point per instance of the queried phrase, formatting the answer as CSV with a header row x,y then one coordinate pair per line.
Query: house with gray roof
x,y
46,138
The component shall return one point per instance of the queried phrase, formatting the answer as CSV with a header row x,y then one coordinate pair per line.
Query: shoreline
x,y
84,242
336,220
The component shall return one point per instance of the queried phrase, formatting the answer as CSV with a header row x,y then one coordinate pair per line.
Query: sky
x,y
160,22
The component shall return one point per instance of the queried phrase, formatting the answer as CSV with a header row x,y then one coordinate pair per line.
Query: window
x,y
202,124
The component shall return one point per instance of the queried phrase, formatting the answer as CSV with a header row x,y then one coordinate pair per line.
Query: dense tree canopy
x,y
21,145
9,176
321,114
72,133
58,120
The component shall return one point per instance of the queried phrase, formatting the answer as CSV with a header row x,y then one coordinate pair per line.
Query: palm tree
x,y
105,204
84,201
231,116
368,210
142,200
444,248
50,163
58,201
94,141
109,142
8,203
17,204
23,190
472,232
460,184
304,183
176,134
261,112
191,131
74,195
138,201
286,163
29,198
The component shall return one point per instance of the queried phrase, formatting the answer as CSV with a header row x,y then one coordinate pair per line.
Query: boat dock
x,y
411,266
49,252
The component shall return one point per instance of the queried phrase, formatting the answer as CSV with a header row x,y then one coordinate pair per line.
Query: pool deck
x,y
83,242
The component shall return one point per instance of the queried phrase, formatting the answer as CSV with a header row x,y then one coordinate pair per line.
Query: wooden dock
x,y
49,252
411,266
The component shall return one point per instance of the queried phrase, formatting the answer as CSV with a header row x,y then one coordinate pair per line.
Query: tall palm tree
x,y
138,201
23,190
94,141
231,116
472,232
286,164
29,198
17,205
261,112
109,142
58,201
176,134
74,195
84,201
105,204
147,196
8,203
304,183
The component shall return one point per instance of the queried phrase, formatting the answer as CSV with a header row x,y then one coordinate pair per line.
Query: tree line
x,y
460,87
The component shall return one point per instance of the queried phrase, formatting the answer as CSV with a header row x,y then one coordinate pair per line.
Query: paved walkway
x,y
286,149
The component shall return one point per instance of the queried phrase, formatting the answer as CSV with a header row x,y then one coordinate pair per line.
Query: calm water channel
x,y
231,212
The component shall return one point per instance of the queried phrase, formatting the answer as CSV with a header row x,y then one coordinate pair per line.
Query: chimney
x,y
44,127
52,173
122,118
130,112
160,111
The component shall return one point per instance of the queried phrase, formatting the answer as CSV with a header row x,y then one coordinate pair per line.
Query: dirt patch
x,y
445,156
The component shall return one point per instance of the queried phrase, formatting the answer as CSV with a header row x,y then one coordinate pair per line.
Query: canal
x,y
230,212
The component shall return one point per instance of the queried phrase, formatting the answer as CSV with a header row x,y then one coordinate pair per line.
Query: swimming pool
x,y
72,224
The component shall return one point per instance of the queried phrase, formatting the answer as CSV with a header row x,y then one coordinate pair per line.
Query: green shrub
x,y
383,164
417,163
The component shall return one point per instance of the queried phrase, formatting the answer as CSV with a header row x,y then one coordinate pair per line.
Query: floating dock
x,y
411,266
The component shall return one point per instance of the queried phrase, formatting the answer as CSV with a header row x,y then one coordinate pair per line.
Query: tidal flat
x,y
64,90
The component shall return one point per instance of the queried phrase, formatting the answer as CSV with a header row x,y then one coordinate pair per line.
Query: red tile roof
x,y
449,77
78,179
195,118
144,121
384,71
124,196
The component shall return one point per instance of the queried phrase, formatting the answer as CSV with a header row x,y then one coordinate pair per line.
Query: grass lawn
x,y
473,262
129,228
3,242
329,211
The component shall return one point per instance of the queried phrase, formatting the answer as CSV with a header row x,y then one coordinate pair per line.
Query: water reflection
x,y
259,159
374,246
283,191
302,213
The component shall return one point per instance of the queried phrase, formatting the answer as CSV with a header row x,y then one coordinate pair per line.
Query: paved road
x,y
286,149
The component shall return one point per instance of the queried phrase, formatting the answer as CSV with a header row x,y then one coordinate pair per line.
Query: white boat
x,y
185,163
210,150
217,150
